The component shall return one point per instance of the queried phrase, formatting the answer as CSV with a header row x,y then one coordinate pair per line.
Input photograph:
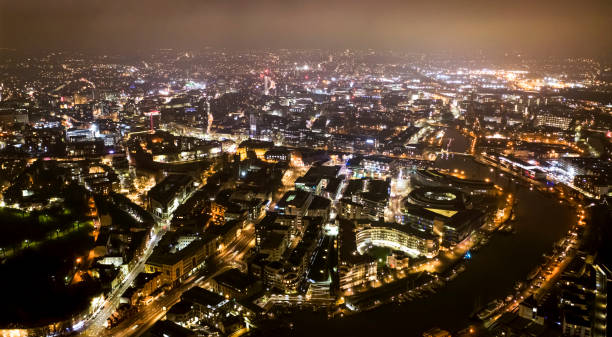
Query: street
x,y
229,258
95,325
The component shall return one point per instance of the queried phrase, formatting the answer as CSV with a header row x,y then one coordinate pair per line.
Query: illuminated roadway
x,y
138,323
151,313
96,323
229,258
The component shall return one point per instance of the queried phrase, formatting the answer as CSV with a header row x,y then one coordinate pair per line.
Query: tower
x,y
252,125
210,117
268,84
151,115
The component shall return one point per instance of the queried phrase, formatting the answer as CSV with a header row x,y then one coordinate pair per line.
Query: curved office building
x,y
397,237
442,211
438,197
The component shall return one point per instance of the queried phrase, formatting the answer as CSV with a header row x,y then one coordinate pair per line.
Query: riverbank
x,y
491,273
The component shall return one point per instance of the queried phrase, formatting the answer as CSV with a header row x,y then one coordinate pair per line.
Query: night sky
x,y
542,27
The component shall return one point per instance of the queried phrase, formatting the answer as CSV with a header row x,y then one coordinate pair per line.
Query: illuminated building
x,y
581,166
529,309
168,194
295,203
285,275
252,125
299,261
274,245
576,325
273,223
317,178
373,166
175,266
596,185
145,285
181,313
258,147
319,207
234,284
398,260
552,120
351,210
85,148
320,273
13,117
354,269
80,135
397,237
371,194
274,276
227,211
278,155
441,211
518,165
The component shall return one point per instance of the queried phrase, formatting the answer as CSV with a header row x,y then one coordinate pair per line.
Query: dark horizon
x,y
545,28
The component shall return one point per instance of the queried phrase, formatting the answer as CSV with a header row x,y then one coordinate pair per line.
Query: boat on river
x,y
491,308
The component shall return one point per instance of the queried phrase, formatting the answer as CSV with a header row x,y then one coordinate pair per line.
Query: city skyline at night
x,y
267,168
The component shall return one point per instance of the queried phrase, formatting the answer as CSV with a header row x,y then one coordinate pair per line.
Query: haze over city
x,y
320,168
567,28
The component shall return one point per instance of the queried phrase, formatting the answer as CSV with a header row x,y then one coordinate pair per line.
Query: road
x,y
229,258
400,188
95,325
154,311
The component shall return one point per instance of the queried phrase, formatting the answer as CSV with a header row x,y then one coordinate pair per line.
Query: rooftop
x,y
319,203
143,278
272,240
235,279
348,246
166,189
167,328
293,198
203,297
167,258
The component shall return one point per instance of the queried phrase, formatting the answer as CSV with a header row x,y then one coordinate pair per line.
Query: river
x,y
491,273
